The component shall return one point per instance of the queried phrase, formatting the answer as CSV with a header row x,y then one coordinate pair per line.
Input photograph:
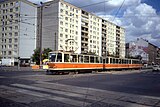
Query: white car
x,y
156,68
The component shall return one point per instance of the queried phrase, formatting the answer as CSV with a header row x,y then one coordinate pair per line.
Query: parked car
x,y
156,68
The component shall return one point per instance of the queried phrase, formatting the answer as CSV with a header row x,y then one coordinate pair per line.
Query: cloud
x,y
142,21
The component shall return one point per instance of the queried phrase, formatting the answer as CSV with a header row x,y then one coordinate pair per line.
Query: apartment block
x,y
69,28
149,53
18,29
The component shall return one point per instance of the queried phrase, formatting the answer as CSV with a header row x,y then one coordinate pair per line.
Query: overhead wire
x,y
118,10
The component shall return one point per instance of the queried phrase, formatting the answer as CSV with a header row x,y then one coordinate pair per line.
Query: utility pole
x,y
55,41
41,11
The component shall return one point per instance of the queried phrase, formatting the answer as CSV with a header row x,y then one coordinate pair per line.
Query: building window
x,y
10,40
16,21
10,28
15,40
61,29
10,34
66,30
16,33
16,27
66,7
16,8
2,35
62,4
15,52
66,24
61,23
9,46
61,10
66,18
11,10
4,52
66,12
11,4
76,33
15,46
61,35
11,16
9,53
3,5
16,15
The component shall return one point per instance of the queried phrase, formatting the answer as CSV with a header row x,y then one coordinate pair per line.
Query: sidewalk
x,y
15,68
126,71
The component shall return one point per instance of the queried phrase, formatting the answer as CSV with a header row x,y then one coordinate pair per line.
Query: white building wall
x,y
69,28
122,42
95,36
68,22
111,38
27,30
139,47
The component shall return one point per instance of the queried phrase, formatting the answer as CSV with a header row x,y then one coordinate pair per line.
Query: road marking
x,y
147,100
95,99
45,96
2,77
9,93
88,96
70,87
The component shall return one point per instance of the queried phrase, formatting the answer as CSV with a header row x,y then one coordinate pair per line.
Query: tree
x,y
45,53
36,55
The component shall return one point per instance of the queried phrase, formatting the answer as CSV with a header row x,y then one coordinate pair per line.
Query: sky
x,y
140,18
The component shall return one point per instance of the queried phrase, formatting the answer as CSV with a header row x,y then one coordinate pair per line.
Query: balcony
x,y
84,30
85,20
84,41
84,13
84,25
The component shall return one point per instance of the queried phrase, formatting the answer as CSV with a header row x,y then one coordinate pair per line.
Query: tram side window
x,y
120,61
126,61
106,60
66,57
111,61
97,59
133,61
129,61
74,58
80,58
59,57
116,61
91,59
86,59
52,57
101,60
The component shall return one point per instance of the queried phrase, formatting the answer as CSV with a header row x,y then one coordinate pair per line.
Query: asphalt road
x,y
106,89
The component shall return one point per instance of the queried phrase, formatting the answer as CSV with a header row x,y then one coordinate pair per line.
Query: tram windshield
x,y
52,57
55,57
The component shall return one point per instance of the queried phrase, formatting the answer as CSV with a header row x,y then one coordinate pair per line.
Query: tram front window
x,y
52,57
